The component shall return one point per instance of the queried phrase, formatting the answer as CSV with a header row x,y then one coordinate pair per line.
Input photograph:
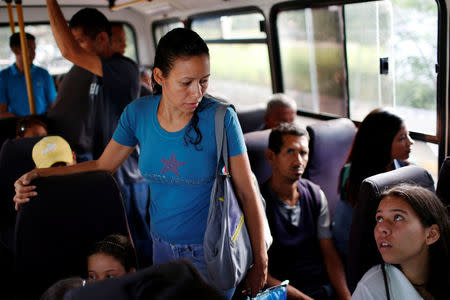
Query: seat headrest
x,y
363,251
251,119
15,160
257,142
443,184
330,143
173,280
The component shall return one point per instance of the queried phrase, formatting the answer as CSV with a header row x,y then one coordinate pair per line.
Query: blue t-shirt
x,y
180,176
13,90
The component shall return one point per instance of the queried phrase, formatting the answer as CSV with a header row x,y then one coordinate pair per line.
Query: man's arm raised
x,y
67,44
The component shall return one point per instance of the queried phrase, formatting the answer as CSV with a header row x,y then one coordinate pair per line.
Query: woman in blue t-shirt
x,y
175,130
381,144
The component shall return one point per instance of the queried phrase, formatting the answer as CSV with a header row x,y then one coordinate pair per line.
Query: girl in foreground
x,y
412,235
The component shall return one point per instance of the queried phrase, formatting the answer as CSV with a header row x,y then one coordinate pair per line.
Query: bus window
x,y
240,70
160,28
406,33
130,50
312,58
347,60
48,55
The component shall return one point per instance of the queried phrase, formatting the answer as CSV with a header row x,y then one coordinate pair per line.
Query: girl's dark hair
x,y
371,150
24,123
430,210
180,43
119,247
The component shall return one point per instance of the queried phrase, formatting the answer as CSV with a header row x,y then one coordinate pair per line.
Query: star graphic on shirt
x,y
171,165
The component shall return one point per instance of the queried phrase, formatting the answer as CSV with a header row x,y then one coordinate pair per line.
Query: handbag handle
x,y
221,137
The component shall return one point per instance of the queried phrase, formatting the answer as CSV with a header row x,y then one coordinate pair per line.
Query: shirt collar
x,y
15,71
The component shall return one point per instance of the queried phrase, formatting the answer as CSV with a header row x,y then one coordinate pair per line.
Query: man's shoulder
x,y
122,61
41,71
7,71
308,184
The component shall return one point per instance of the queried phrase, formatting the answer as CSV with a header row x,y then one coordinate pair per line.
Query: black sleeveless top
x,y
295,253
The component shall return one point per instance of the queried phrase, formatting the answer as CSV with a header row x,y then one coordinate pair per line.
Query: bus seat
x,y
251,119
443,183
15,160
363,252
56,229
8,126
173,280
329,145
257,143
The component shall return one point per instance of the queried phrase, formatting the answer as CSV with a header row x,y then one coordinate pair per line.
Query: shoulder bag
x,y
227,247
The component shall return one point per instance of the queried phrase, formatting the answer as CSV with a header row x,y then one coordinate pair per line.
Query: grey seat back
x,y
443,184
251,119
257,143
329,145
363,252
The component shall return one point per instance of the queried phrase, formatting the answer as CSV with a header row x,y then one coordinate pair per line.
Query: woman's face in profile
x,y
400,236
102,266
401,144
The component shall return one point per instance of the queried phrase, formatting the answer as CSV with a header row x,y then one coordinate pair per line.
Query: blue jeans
x,y
165,252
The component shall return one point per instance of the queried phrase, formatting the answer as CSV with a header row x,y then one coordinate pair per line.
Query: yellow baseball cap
x,y
50,150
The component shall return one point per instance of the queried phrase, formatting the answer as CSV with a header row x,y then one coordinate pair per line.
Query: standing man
x,y
13,88
115,83
118,37
297,211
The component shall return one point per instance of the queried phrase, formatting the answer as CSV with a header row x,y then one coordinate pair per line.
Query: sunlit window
x,y
240,70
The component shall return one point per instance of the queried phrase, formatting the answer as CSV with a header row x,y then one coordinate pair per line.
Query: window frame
x,y
232,12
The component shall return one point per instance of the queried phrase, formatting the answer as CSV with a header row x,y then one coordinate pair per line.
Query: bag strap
x,y
221,137
386,286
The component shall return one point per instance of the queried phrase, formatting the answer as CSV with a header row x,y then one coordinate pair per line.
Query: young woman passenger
x,y
413,237
175,129
381,144
112,257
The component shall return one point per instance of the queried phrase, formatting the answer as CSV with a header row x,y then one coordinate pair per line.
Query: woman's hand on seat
x,y
23,190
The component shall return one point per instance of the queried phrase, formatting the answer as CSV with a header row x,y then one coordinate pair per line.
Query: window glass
x,y
387,58
240,70
161,29
240,73
313,60
242,26
130,50
404,32
48,55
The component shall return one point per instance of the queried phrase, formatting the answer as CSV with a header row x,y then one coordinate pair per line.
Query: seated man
x,y
280,109
13,90
53,151
297,211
